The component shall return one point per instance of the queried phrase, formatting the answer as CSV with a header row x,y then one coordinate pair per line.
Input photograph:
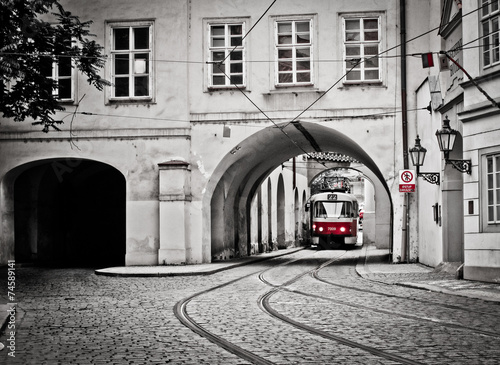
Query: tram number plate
x,y
332,197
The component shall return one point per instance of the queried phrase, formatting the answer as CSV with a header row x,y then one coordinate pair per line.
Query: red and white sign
x,y
407,181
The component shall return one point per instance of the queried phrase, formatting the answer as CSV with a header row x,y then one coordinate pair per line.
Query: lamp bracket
x,y
464,166
431,177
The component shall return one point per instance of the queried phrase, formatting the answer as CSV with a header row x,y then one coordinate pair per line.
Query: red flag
x,y
427,60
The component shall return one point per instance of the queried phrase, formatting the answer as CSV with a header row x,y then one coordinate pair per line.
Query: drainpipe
x,y
406,203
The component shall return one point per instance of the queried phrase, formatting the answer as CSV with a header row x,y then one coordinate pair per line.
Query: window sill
x,y
293,90
130,101
348,85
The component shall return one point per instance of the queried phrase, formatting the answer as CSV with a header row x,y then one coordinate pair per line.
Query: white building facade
x,y
187,158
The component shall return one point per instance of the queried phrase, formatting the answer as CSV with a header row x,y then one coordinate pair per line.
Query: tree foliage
x,y
26,43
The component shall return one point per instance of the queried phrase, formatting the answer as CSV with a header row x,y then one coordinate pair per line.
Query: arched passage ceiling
x,y
252,159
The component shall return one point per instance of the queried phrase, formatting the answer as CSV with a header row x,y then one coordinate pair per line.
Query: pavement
x,y
373,264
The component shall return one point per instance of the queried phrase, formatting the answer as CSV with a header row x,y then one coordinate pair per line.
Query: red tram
x,y
334,219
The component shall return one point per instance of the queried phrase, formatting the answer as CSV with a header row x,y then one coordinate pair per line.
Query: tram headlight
x,y
342,229
320,229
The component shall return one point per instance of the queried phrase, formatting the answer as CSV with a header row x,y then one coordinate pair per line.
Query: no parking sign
x,y
406,181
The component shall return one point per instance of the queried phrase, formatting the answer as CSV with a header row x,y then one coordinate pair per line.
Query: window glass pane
x,y
218,80
219,68
237,79
371,62
490,197
303,77
236,41
350,64
489,164
217,30
141,86
236,56
218,56
236,29
285,39
284,53
218,36
371,75
352,24
284,28
352,36
141,38
485,7
497,182
285,66
371,36
285,78
64,66
236,67
370,23
497,164
354,75
64,88
371,50
302,26
490,181
303,38
121,64
491,217
218,42
303,65
498,214
141,64
352,50
303,53
121,38
121,86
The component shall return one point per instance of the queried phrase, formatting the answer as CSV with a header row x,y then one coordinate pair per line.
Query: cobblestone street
x,y
73,316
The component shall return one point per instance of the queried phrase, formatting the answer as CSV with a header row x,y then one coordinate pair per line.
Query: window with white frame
x,y
493,188
60,69
361,49
294,50
226,55
131,60
490,15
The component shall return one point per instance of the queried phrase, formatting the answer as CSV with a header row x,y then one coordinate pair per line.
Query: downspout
x,y
406,203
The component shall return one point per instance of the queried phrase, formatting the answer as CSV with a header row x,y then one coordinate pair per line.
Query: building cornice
x,y
98,134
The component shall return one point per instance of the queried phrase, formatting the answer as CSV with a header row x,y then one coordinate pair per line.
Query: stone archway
x,y
68,212
244,169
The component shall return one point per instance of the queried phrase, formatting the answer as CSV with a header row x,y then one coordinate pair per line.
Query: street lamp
x,y
417,154
446,139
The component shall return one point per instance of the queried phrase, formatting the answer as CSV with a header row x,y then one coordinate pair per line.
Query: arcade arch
x,y
67,212
241,173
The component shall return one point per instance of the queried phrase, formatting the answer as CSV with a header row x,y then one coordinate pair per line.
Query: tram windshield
x,y
336,209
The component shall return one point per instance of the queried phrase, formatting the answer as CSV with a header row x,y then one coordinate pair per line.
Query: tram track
x,y
180,311
315,274
281,286
267,308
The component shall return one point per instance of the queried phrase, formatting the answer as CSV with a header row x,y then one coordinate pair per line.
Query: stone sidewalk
x,y
374,265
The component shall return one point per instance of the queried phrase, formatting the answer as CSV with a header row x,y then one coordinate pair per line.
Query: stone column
x,y
175,196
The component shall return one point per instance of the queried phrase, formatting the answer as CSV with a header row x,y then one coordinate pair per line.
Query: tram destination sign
x,y
407,181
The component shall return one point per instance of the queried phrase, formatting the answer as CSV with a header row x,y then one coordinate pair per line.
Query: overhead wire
x,y
381,54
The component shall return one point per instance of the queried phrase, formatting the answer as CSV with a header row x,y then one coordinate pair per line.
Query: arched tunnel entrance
x,y
239,177
69,212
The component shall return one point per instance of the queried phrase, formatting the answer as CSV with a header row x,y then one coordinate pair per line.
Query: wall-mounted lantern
x,y
446,139
417,154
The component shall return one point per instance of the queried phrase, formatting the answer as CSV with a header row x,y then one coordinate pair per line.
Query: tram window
x,y
329,209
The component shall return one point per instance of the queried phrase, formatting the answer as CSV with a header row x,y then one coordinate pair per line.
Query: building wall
x,y
172,150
